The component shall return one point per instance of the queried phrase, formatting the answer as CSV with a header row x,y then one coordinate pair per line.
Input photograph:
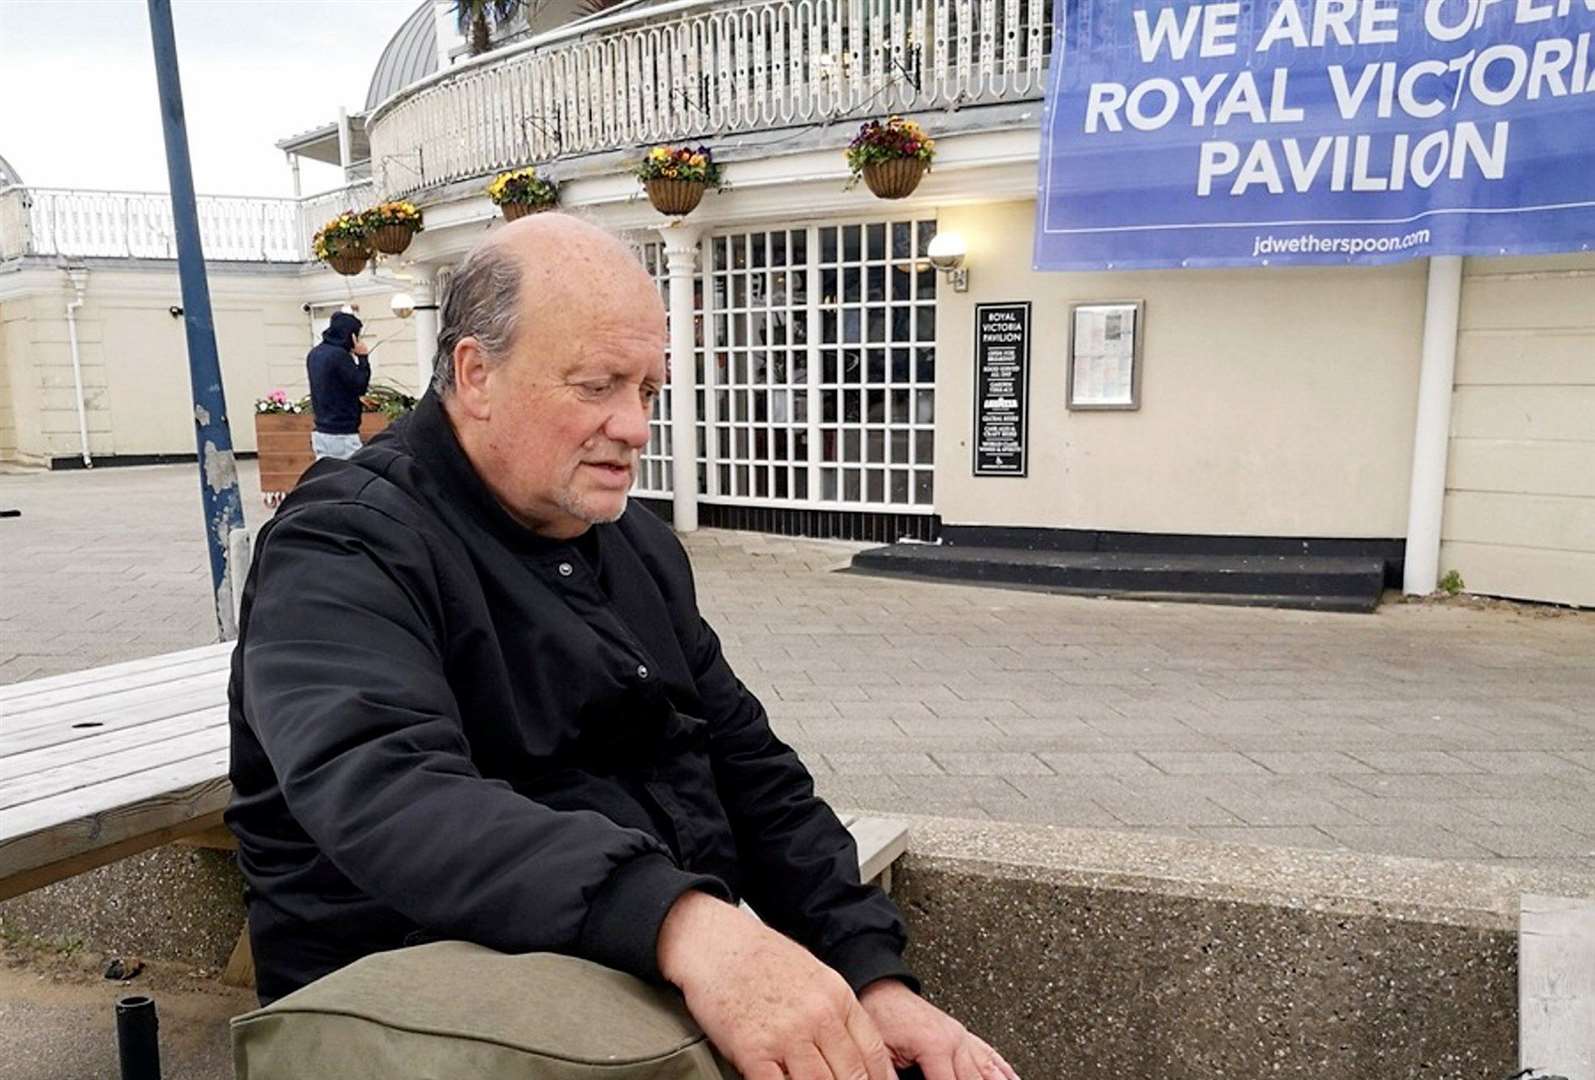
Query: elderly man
x,y
473,698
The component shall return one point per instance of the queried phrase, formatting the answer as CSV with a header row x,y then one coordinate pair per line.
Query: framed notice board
x,y
1105,355
1002,388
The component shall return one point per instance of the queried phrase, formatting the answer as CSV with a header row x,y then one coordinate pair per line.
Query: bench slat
x,y
95,689
881,841
142,760
206,689
70,833
89,676
100,742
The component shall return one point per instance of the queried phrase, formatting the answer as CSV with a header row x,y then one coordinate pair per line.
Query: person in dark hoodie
x,y
473,698
339,374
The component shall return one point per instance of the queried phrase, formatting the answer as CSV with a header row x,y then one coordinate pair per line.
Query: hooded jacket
x,y
337,377
444,726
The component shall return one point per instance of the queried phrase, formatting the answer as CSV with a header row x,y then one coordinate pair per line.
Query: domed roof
x,y
8,175
411,54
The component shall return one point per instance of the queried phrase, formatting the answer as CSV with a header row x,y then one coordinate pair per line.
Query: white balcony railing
x,y
696,68
138,224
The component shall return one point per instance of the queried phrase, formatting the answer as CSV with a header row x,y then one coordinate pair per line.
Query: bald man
x,y
473,698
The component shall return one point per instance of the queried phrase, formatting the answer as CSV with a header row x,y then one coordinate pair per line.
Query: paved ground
x,y
1439,731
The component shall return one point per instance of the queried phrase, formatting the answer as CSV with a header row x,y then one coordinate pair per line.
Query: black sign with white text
x,y
1002,378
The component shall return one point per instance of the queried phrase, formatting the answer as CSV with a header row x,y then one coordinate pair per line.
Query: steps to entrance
x,y
1322,583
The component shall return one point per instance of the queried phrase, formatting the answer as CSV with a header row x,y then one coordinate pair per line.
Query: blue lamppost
x,y
218,470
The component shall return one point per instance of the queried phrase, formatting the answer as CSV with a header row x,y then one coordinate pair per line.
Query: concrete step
x,y
1297,581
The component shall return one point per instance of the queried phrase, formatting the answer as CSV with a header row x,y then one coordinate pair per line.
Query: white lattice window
x,y
824,371
820,390
876,345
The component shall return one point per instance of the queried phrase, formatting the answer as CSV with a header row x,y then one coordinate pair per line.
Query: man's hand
x,y
764,1001
918,1033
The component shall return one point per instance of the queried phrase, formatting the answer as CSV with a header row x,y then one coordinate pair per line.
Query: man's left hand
x,y
918,1033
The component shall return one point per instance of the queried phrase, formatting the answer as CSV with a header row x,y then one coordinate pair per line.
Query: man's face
x,y
569,412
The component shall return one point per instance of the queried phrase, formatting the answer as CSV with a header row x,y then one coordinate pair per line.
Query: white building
x,y
834,367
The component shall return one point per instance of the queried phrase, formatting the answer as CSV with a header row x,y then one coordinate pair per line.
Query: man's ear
x,y
472,382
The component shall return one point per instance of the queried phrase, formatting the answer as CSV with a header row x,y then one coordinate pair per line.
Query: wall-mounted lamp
x,y
175,312
402,304
946,253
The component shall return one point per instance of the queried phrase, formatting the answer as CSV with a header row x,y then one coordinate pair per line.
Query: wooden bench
x,y
101,764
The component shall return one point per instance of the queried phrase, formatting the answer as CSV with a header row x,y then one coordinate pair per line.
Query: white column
x,y
681,249
1432,432
293,164
423,289
345,153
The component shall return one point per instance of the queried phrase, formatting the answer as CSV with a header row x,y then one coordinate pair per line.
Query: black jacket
x,y
337,377
446,727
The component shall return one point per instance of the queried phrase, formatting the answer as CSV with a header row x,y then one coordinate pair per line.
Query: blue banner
x,y
1267,132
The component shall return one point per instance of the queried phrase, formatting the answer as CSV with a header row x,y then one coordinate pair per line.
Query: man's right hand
x,y
764,1001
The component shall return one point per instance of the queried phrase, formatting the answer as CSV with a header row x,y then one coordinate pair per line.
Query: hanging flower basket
x,y
675,197
390,226
343,243
513,211
522,192
347,263
892,157
894,179
676,177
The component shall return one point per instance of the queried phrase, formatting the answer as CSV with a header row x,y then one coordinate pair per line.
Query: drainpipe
x,y
1432,432
78,279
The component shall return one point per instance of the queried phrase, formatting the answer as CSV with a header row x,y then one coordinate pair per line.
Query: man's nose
x,y
629,424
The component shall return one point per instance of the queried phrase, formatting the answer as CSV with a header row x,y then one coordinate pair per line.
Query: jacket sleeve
x,y
345,687
800,862
358,379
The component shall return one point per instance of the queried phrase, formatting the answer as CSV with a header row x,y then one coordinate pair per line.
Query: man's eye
x,y
596,389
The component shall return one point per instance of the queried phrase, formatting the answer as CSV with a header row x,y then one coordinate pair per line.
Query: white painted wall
x,y
1520,491
135,362
1275,402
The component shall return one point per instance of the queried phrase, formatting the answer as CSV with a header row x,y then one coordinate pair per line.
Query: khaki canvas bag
x,y
455,1011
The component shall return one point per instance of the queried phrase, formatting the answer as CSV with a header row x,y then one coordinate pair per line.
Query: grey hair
x,y
482,301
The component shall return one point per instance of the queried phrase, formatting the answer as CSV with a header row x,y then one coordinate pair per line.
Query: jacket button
x,y
642,671
565,569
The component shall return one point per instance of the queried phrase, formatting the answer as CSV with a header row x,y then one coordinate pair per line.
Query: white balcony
x,y
65,223
694,69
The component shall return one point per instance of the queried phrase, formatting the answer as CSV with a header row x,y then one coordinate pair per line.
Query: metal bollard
x,y
136,1038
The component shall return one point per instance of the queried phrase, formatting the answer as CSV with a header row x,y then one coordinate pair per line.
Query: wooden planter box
x,y
282,441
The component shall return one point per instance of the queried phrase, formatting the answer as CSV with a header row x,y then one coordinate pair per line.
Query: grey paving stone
x,y
1413,840
1414,761
1430,786
1540,841
935,726
1294,836
1278,810
1068,813
1097,764
1186,763
1141,808
1010,764
1518,762
1308,762
887,763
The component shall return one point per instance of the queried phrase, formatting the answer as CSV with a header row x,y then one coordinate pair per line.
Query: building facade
x,y
833,369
